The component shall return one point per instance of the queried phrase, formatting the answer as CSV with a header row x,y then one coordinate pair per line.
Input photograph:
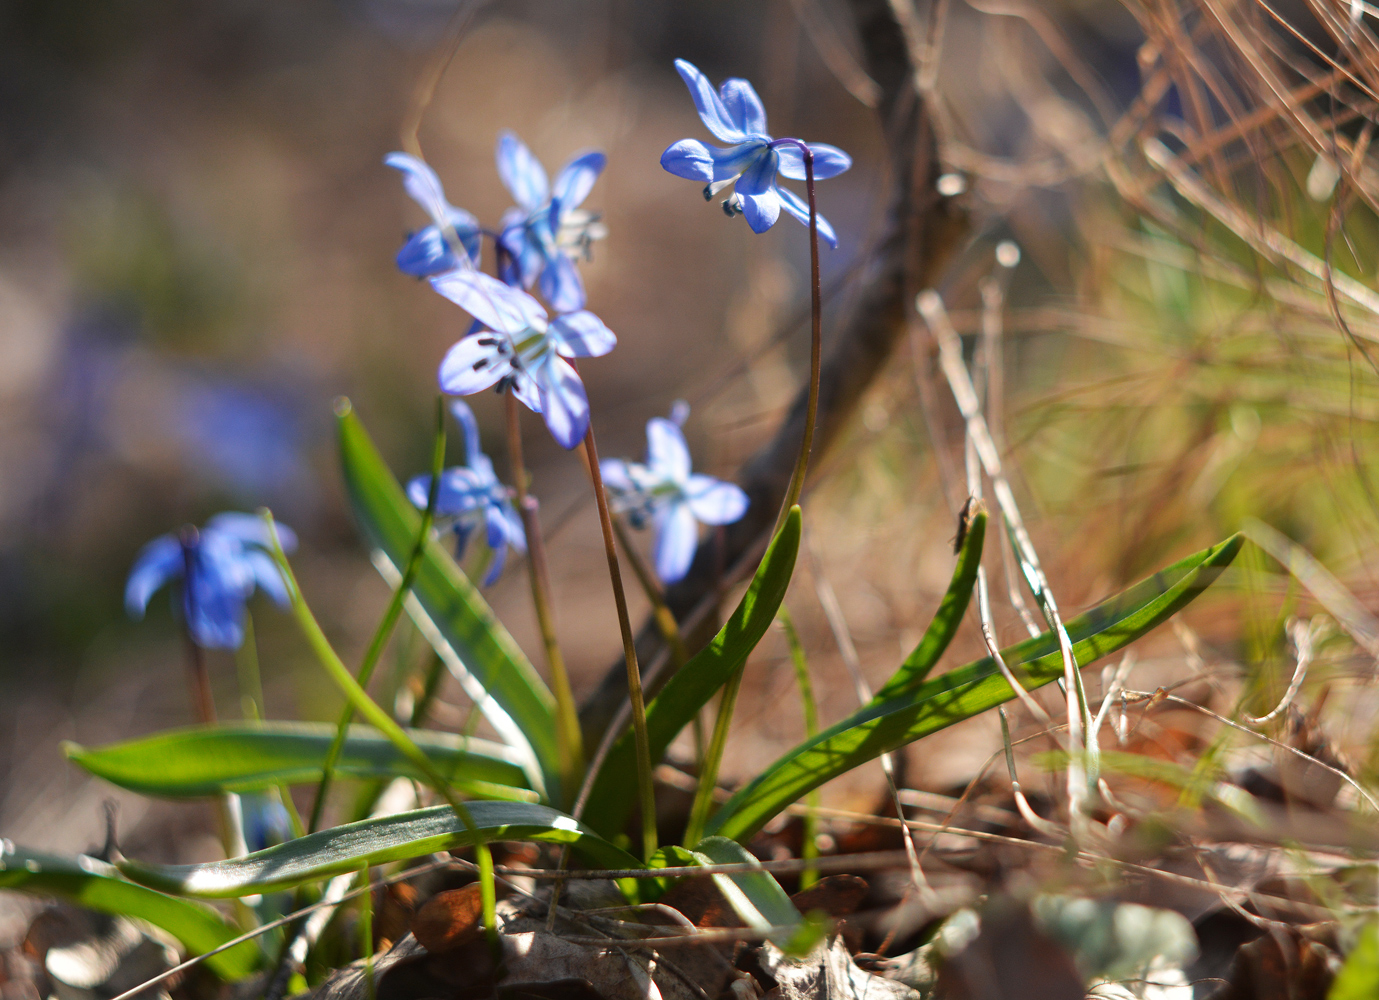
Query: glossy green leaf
x,y
882,726
248,757
947,618
756,897
519,705
92,883
372,842
697,681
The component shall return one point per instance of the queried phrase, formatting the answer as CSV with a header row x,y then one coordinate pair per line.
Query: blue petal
x,y
711,110
564,404
252,530
759,176
495,567
728,163
521,260
615,475
797,207
690,159
496,305
575,179
521,172
214,592
421,182
676,537
267,575
459,492
464,416
829,161
743,106
158,562
666,452
714,501
561,284
497,526
527,391
458,374
761,210
582,335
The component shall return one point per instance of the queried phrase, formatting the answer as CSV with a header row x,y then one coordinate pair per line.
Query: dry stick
x,y
568,735
1301,633
645,789
960,382
387,623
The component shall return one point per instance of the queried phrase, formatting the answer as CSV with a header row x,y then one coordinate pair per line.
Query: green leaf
x,y
92,883
941,630
1359,977
248,757
697,681
882,726
372,842
467,635
756,897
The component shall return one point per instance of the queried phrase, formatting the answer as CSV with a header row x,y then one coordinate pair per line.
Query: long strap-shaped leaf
x,y
882,726
756,897
248,757
374,841
520,706
695,683
96,885
947,618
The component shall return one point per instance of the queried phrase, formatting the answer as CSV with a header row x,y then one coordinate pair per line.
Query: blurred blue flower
x,y
266,822
548,227
219,566
471,495
432,250
666,492
250,434
753,159
518,347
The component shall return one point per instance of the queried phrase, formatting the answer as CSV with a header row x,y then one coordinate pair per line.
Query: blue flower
x,y
517,347
266,822
548,228
432,250
665,491
471,495
219,567
752,159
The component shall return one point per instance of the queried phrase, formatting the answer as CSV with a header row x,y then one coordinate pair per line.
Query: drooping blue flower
x,y
434,249
666,492
266,822
219,566
547,229
521,348
471,495
752,159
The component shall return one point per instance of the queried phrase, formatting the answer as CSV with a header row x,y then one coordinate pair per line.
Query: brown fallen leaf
x,y
449,919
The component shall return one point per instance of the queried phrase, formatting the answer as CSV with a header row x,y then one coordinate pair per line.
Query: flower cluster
x,y
514,344
219,565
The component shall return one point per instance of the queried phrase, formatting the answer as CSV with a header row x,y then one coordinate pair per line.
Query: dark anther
x,y
481,364
708,192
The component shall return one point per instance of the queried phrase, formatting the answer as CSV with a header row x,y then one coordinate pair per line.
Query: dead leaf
x,y
836,895
449,919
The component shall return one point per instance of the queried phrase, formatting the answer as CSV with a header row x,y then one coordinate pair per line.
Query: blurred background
x,y
196,258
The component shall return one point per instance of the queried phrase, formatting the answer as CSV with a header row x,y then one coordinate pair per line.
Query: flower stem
x,y
645,790
660,611
568,735
792,494
713,757
389,620
375,715
198,677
